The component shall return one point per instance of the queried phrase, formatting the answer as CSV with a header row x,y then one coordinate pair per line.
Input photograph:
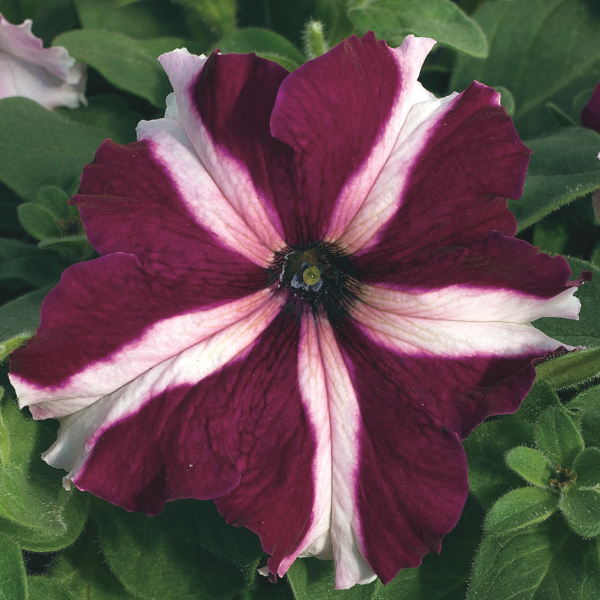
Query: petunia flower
x,y
308,293
47,75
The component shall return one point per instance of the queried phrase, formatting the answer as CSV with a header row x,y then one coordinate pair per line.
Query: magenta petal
x,y
241,435
590,115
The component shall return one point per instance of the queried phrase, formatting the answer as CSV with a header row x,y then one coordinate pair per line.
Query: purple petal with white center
x,y
47,75
223,106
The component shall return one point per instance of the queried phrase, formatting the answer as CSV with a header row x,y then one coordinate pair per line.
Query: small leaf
x,y
520,508
441,20
558,438
38,221
315,43
506,99
12,571
219,14
545,562
121,60
586,407
587,468
571,370
44,588
530,464
564,166
55,200
265,43
581,509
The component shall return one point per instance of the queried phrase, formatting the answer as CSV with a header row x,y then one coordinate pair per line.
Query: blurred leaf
x,y
441,20
557,437
219,14
9,223
442,577
334,15
587,468
265,43
81,569
530,464
586,331
35,510
506,99
586,407
19,321
562,118
108,113
581,509
520,508
140,20
563,166
38,221
39,148
121,60
545,562
55,200
489,477
263,589
44,588
570,370
157,46
12,571
152,561
535,53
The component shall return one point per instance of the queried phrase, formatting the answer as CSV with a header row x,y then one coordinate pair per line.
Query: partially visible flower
x,y
47,75
308,293
590,118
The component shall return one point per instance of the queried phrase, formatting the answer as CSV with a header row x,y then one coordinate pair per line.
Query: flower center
x,y
320,275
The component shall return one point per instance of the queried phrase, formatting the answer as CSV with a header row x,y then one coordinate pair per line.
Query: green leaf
x,y
586,331
19,320
442,577
121,60
489,477
81,569
156,46
558,437
263,589
334,15
315,43
581,509
143,20
35,510
587,468
38,221
564,166
525,36
531,465
44,588
441,20
55,200
201,523
12,571
152,561
506,99
562,118
586,407
265,43
545,562
39,148
520,508
108,113
219,14
570,370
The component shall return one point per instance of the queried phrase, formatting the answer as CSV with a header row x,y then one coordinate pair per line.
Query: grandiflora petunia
x,y
308,293
47,75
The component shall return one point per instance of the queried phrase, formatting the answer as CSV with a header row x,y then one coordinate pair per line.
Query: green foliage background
x,y
530,528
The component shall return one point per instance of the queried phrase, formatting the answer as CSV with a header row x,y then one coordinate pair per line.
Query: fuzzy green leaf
x,y
219,14
35,510
545,562
38,221
55,200
530,464
525,37
520,508
44,588
564,166
558,437
581,509
587,468
12,571
39,148
586,409
570,370
441,20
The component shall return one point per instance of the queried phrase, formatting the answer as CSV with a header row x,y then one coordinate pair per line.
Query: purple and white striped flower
x,y
47,75
308,293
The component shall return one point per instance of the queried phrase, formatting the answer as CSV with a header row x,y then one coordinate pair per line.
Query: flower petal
x,y
341,113
454,162
110,320
47,75
224,104
590,115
